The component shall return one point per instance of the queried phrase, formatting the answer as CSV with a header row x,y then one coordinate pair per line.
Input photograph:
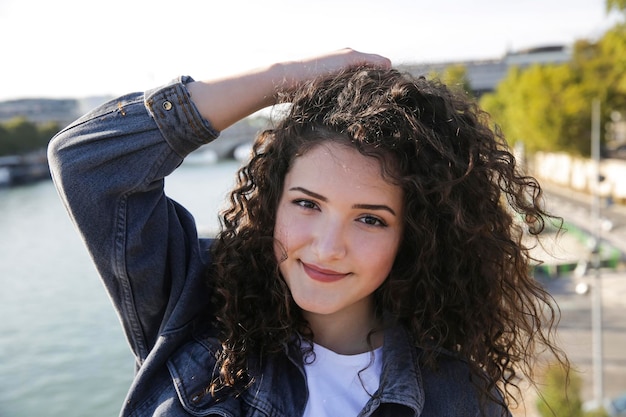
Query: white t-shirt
x,y
341,385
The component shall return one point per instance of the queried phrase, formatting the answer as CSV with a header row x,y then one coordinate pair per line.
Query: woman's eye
x,y
307,204
372,221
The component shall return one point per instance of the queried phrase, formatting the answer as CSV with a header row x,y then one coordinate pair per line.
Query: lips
x,y
323,275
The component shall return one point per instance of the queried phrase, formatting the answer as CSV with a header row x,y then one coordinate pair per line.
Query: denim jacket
x,y
109,168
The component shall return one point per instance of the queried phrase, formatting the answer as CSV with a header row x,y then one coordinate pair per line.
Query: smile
x,y
321,274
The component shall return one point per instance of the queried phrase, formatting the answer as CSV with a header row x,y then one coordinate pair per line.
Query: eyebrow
x,y
356,206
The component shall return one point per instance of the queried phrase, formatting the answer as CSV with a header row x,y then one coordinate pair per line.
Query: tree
x,y
561,397
543,107
5,141
619,5
601,69
46,132
19,136
549,107
455,77
23,135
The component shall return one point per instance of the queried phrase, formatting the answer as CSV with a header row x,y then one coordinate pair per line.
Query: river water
x,y
62,350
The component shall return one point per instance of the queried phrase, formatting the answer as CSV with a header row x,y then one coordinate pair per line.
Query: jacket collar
x,y
401,379
400,382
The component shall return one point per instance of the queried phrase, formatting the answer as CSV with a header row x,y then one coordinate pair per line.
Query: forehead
x,y
331,165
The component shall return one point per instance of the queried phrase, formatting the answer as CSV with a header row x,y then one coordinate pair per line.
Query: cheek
x,y
280,236
290,232
287,233
378,255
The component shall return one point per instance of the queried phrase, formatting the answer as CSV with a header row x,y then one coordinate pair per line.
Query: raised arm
x,y
258,88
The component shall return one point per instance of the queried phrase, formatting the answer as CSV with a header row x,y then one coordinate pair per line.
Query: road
x,y
575,330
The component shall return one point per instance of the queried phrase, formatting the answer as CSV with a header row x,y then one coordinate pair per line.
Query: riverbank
x,y
23,169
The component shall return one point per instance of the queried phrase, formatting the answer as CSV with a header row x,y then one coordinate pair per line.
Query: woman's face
x,y
339,226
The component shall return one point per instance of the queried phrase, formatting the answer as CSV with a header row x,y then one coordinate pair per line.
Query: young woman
x,y
370,261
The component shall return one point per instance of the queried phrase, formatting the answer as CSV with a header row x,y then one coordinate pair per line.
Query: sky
x,y
79,48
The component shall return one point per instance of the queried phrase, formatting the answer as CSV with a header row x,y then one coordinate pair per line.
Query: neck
x,y
344,334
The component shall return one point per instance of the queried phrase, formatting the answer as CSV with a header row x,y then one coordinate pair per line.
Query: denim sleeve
x,y
109,168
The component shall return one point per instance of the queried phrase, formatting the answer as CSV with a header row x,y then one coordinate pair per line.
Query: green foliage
x,y
19,136
604,65
548,107
543,107
5,138
47,131
619,5
561,396
455,77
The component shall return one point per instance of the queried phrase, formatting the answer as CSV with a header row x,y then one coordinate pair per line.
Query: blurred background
x,y
552,75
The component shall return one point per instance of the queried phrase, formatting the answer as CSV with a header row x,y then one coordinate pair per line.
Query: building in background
x,y
484,75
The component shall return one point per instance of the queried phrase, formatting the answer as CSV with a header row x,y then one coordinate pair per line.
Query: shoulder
x,y
275,388
448,365
179,386
451,388
192,369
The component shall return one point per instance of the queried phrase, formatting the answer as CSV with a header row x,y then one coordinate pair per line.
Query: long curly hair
x,y
461,280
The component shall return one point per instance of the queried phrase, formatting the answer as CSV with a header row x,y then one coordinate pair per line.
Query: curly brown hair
x,y
461,280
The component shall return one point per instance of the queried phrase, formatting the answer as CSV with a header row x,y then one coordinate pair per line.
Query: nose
x,y
330,240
